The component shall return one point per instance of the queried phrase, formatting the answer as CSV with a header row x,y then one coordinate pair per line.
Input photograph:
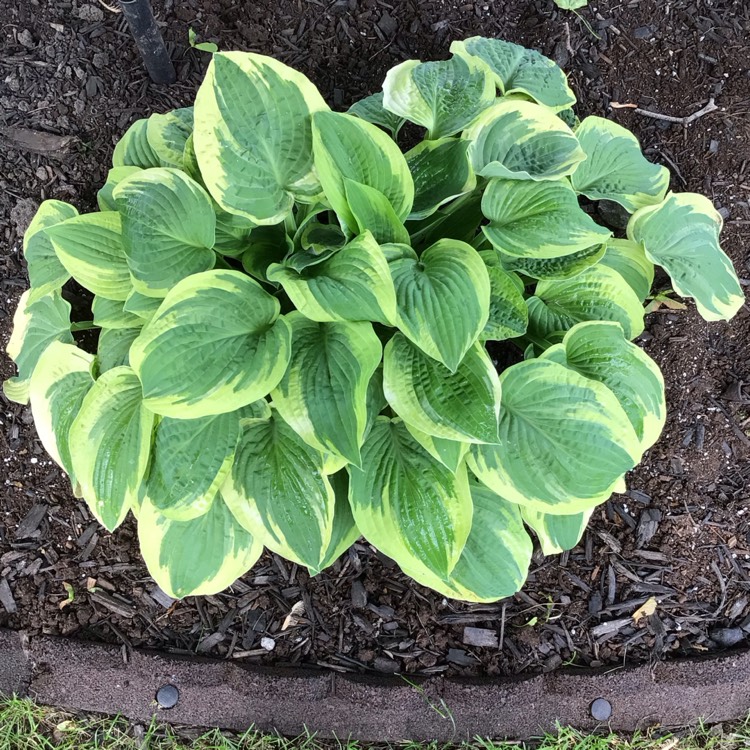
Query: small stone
x,y
26,39
90,13
389,666
601,709
359,595
22,213
167,696
269,644
100,60
41,174
643,32
727,637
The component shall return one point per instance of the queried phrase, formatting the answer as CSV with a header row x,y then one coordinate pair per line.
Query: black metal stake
x,y
149,40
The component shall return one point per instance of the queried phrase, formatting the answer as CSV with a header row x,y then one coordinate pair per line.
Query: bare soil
x,y
680,534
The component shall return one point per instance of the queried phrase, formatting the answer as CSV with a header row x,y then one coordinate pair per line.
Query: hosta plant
x,y
297,312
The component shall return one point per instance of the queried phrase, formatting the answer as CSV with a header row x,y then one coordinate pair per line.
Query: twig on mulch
x,y
685,121
109,7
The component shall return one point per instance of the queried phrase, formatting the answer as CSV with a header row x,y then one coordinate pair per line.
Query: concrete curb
x,y
85,676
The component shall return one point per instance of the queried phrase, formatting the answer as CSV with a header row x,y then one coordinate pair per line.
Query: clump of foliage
x,y
293,318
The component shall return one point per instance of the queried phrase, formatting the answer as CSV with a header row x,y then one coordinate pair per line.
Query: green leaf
x,y
459,220
253,135
110,313
233,233
681,235
557,533
35,326
46,273
348,147
441,171
463,405
134,150
279,491
142,306
509,316
345,531
372,110
538,219
615,169
216,343
190,460
113,348
495,561
443,96
571,5
522,141
90,248
572,426
58,384
563,267
372,211
407,504
199,557
598,293
353,284
443,299
450,453
110,441
115,176
601,352
168,227
323,392
167,135
630,261
267,245
520,70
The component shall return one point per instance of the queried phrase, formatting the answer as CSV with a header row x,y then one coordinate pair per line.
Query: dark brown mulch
x,y
680,534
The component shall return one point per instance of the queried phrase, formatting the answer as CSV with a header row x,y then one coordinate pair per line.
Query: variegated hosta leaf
x,y
629,260
371,109
266,245
345,531
557,533
353,284
598,293
35,326
538,219
681,235
190,460
253,135
522,141
441,171
233,233
279,492
443,96
59,383
600,351
463,405
134,150
110,313
450,453
509,316
573,427
348,147
520,70
323,394
407,504
373,212
167,135
168,228
110,442
375,398
46,273
215,344
495,560
198,557
90,247
113,348
443,299
142,306
615,169
557,269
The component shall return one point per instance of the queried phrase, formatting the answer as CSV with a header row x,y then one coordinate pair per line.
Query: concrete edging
x,y
79,675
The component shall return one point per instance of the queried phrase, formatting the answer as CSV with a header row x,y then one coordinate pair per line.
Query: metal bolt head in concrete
x,y
601,709
167,696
